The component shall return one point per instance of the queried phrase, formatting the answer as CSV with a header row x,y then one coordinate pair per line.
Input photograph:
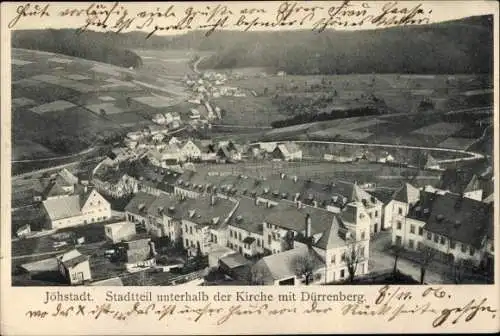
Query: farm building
x,y
288,151
117,232
84,207
23,231
74,267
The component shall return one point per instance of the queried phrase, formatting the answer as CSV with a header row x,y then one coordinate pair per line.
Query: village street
x,y
381,258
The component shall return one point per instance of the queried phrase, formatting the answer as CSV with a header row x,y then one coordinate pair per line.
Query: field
x,y
61,99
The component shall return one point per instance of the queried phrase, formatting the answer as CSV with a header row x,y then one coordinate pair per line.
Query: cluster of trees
x,y
462,46
92,46
334,114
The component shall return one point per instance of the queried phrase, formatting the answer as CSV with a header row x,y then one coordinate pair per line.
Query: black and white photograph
x,y
251,157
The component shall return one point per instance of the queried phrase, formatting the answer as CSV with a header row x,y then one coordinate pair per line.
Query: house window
x,y
231,233
420,231
472,251
398,240
376,213
370,214
429,235
436,238
400,211
362,252
258,242
411,244
269,240
398,226
363,235
215,239
239,236
463,248
342,273
187,243
419,246
333,259
343,257
190,230
443,241
412,228
452,244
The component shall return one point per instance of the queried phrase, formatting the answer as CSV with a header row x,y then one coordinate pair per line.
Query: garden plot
x,y
442,128
353,125
457,143
108,108
106,70
117,83
58,105
60,60
67,83
344,134
107,98
19,62
155,101
22,101
77,77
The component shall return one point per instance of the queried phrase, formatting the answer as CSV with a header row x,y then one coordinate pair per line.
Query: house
x,y
159,119
431,163
82,208
282,269
205,223
23,231
117,232
467,183
401,202
157,138
134,136
137,253
136,209
235,265
111,282
287,151
74,267
161,157
191,150
451,225
174,141
268,147
458,227
246,227
228,153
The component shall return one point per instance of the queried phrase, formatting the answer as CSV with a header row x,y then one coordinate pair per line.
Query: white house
x,y
117,232
288,151
74,267
190,150
83,208
402,200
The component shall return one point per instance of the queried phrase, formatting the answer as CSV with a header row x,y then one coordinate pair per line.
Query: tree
x,y
397,251
426,256
304,266
458,270
353,255
256,276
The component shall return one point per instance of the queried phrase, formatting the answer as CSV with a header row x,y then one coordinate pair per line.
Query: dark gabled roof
x,y
407,194
292,218
250,216
422,209
140,199
330,238
459,218
248,240
456,180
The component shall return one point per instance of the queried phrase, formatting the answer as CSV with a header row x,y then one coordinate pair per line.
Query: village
x,y
165,207
185,222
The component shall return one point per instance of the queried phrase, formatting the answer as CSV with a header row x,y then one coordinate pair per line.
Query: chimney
x,y
295,179
282,176
308,226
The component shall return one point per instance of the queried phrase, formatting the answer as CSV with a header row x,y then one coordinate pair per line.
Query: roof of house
x,y
407,194
456,180
68,177
63,207
290,147
250,216
459,218
431,161
234,260
421,210
117,281
284,265
292,218
140,203
72,258
331,238
55,189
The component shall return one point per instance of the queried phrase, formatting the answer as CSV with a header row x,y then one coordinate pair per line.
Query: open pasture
x,y
442,128
58,105
104,108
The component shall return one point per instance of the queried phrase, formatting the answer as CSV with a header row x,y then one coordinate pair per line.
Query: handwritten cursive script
x,y
117,17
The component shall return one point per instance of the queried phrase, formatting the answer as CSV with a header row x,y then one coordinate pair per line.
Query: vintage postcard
x,y
249,167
